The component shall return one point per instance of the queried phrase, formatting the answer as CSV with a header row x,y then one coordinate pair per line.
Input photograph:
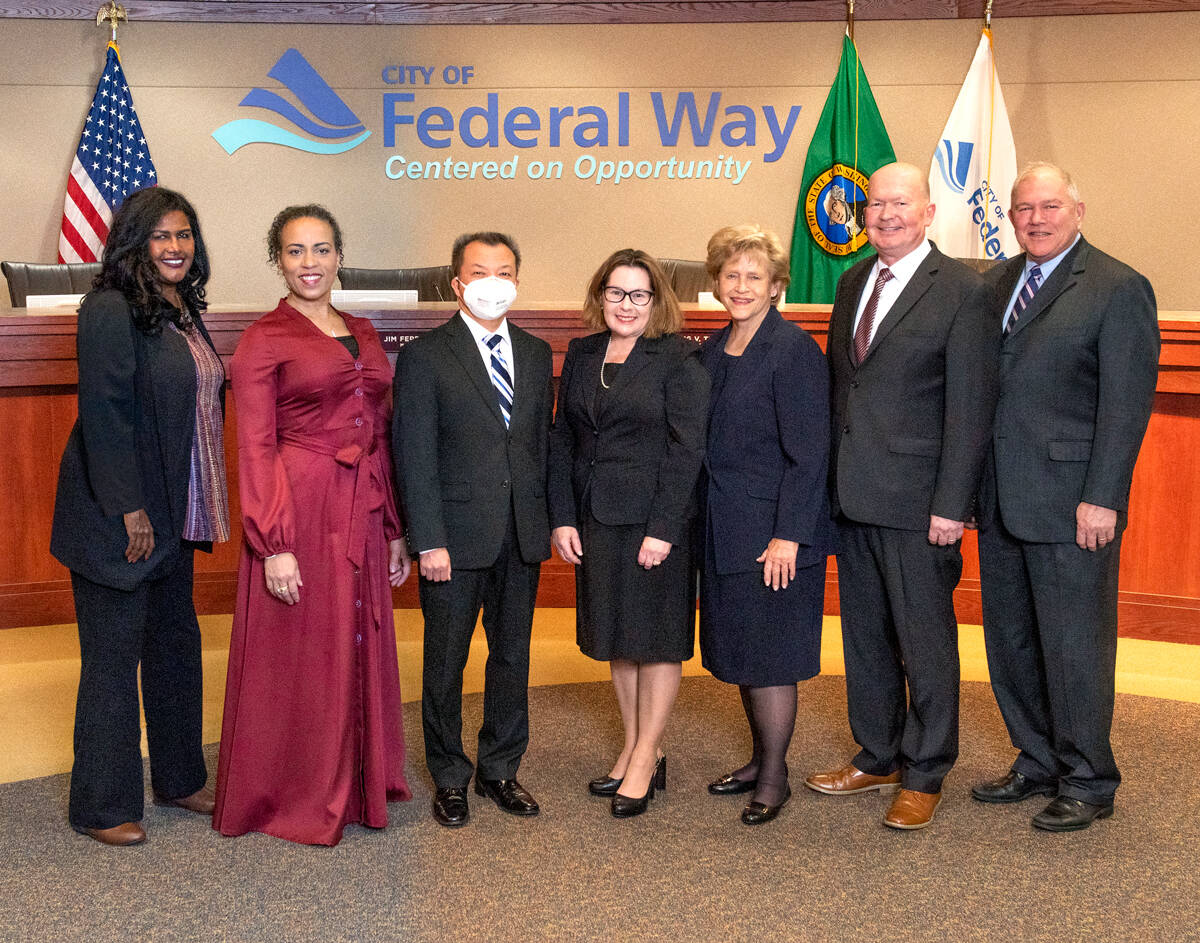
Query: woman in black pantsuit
x,y
766,511
140,487
625,450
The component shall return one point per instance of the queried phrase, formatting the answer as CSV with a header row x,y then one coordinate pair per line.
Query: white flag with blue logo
x,y
973,168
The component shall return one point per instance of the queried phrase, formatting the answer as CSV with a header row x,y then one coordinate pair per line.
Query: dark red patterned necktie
x,y
862,335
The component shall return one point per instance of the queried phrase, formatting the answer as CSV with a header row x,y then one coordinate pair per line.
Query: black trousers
x,y
506,592
154,625
900,638
1050,629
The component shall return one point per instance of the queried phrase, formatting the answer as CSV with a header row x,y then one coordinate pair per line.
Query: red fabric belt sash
x,y
368,489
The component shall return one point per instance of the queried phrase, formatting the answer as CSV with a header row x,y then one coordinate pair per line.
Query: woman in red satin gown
x,y
312,737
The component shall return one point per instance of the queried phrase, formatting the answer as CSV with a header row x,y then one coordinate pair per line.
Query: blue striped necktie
x,y
1024,296
501,378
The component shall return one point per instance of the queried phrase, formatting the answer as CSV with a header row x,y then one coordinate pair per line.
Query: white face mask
x,y
489,298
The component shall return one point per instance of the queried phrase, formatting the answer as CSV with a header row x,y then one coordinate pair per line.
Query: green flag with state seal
x,y
849,144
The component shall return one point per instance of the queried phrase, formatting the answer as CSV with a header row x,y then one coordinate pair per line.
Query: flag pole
x,y
850,17
112,13
987,15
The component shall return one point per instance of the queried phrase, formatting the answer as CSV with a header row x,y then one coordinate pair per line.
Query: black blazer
x,y
456,463
1077,379
633,460
911,423
131,446
768,448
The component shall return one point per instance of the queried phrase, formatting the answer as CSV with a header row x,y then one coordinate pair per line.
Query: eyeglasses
x,y
639,296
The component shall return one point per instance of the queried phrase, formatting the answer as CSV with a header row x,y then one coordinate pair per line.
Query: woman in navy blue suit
x,y
767,527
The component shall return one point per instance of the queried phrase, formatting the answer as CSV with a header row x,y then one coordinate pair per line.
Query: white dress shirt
x,y
481,334
902,272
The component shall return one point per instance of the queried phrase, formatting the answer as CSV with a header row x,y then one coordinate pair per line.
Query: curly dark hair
x,y
128,268
307,211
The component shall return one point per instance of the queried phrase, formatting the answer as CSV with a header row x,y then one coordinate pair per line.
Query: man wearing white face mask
x,y
473,401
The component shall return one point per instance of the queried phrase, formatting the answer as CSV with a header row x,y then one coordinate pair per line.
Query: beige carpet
x,y
687,870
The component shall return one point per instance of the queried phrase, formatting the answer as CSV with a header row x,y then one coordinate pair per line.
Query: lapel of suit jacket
x,y
747,369
840,342
585,374
462,344
920,283
643,354
1062,278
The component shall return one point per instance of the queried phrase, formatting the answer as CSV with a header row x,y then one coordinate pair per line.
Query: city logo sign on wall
x,y
338,128
833,209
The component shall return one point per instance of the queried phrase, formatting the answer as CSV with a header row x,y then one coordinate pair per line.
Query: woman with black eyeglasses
x,y
625,452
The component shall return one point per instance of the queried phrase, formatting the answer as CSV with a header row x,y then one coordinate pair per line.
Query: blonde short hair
x,y
732,241
665,316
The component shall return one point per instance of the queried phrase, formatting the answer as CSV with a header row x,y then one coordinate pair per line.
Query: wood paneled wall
x,y
1160,559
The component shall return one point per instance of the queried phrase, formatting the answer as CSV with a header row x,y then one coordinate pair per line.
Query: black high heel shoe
x,y
625,807
608,786
604,786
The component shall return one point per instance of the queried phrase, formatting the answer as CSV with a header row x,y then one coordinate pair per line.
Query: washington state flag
x,y
849,144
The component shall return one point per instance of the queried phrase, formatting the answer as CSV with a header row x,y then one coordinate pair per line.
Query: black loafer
x,y
604,786
1012,787
730,785
1065,814
450,807
509,794
758,813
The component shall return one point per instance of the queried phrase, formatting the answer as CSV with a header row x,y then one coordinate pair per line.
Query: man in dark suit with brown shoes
x,y
473,401
1078,368
912,356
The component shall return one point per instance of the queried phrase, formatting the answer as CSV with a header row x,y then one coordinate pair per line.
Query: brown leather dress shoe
x,y
849,780
911,809
203,801
127,833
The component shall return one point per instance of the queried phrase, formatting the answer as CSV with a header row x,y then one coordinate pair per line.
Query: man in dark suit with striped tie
x,y
473,402
912,356
1078,368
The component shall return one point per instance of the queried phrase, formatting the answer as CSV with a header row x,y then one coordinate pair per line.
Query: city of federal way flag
x,y
849,144
112,161
973,169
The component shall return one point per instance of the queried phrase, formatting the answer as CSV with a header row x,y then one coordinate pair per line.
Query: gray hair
x,y
1037,167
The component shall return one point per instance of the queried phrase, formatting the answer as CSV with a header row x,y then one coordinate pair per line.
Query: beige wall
x,y
1114,98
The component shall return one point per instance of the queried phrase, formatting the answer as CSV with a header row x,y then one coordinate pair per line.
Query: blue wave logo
x,y
329,118
955,167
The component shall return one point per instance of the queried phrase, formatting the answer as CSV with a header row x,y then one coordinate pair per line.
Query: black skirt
x,y
623,610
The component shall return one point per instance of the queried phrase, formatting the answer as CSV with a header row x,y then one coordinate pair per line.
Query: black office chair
x,y
36,278
432,283
980,265
687,278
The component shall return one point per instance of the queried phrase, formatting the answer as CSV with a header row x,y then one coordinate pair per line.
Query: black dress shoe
x,y
450,807
1012,787
1065,814
509,794
730,785
756,813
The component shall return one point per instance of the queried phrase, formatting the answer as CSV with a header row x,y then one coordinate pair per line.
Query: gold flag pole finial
x,y
113,13
987,15
850,18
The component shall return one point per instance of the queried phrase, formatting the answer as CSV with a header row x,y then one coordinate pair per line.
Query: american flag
x,y
112,161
